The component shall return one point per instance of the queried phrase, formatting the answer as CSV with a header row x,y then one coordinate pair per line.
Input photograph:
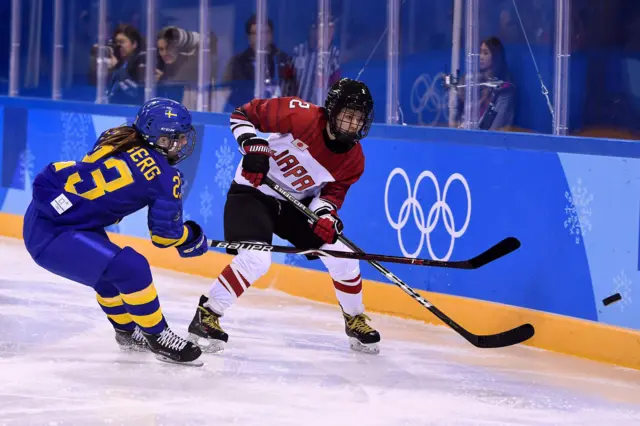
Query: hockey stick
x,y
506,338
503,248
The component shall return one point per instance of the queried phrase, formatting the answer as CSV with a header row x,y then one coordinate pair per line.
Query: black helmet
x,y
350,94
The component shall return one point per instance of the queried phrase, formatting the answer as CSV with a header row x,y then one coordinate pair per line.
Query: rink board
x,y
582,338
573,202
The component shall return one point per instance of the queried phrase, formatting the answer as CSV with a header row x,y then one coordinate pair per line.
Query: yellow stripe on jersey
x,y
144,296
148,321
171,242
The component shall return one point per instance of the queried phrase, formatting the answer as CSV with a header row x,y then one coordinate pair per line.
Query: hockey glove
x,y
329,226
196,244
255,164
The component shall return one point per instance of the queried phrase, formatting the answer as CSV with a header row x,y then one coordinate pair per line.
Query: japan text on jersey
x,y
301,163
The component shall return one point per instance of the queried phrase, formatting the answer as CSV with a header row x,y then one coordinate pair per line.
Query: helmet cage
x,y
353,103
175,146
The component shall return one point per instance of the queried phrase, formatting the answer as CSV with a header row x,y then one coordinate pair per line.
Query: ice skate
x,y
205,330
362,337
169,347
132,340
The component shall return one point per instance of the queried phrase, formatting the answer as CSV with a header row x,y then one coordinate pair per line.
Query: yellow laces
x,y
358,323
209,319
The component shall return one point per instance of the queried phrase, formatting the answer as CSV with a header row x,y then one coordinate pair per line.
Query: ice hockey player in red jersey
x,y
314,153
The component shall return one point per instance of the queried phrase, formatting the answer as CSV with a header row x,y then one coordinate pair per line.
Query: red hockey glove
x,y
329,226
255,163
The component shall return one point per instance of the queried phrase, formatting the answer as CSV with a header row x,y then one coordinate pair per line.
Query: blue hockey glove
x,y
196,244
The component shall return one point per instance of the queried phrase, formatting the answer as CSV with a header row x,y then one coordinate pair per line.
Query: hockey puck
x,y
613,298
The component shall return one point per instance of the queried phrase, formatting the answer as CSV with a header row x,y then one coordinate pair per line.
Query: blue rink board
x,y
572,202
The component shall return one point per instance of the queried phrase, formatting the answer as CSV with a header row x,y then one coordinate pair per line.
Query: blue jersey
x,y
107,186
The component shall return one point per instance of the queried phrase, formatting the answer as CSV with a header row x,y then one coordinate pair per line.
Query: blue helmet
x,y
166,126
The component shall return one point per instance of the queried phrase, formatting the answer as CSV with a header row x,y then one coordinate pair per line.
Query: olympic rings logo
x,y
428,94
440,207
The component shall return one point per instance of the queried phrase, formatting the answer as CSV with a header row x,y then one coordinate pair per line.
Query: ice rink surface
x,y
287,363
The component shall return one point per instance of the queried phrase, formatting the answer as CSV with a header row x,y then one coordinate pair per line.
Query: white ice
x,y
287,363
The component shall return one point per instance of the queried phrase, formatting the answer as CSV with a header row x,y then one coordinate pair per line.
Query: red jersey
x,y
300,161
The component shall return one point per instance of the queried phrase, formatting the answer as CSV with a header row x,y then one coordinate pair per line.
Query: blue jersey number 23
x,y
101,185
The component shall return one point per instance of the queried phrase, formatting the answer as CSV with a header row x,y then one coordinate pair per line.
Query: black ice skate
x,y
131,340
205,330
362,337
169,347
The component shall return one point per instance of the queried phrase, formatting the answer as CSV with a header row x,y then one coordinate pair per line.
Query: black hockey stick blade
x,y
503,248
506,338
499,340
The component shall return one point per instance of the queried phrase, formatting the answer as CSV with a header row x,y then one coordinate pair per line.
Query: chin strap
x,y
340,144
345,144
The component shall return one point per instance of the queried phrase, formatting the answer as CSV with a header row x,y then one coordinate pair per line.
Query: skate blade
x,y
135,348
356,345
210,346
194,363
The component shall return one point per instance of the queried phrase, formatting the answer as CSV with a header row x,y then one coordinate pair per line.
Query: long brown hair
x,y
120,138
498,58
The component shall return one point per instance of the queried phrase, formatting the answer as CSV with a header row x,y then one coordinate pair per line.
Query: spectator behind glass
x,y
177,64
305,60
240,72
123,58
496,108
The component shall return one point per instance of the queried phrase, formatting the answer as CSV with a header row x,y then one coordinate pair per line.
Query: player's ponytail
x,y
121,138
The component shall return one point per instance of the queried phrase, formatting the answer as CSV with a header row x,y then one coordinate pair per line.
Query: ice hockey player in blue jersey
x,y
130,167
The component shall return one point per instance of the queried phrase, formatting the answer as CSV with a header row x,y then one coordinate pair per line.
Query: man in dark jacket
x,y
240,73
